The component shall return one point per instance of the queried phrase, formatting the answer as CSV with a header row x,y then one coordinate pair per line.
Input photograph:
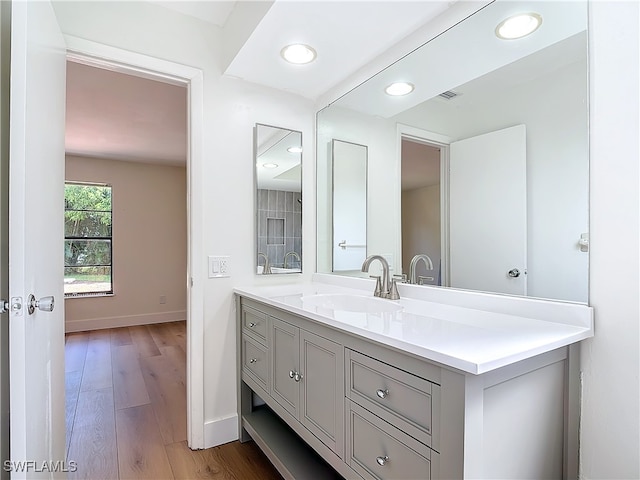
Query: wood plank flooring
x,y
126,410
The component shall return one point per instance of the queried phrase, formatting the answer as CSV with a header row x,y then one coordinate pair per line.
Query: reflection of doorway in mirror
x,y
420,205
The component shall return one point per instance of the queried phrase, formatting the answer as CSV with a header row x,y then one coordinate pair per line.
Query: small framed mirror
x,y
278,180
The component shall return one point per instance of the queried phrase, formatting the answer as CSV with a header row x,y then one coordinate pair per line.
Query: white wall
x,y
610,433
231,108
149,245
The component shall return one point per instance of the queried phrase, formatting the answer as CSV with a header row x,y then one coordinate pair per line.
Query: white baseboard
x,y
124,321
218,432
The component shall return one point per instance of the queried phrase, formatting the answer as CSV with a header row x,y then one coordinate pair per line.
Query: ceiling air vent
x,y
448,95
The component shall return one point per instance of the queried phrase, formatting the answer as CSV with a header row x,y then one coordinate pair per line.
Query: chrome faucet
x,y
291,254
266,269
414,263
383,289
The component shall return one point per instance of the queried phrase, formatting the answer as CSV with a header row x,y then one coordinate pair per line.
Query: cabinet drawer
x,y
255,361
377,450
254,322
393,394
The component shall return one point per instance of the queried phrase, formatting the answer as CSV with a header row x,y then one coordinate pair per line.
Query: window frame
x,y
109,239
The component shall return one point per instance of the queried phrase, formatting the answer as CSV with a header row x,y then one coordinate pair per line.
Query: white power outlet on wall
x,y
219,266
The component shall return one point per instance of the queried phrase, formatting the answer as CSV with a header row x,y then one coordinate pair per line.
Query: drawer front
x,y
377,450
393,394
255,360
254,322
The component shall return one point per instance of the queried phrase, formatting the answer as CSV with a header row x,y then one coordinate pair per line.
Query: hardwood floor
x,y
126,410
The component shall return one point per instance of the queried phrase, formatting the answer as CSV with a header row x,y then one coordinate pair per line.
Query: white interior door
x,y
36,203
488,212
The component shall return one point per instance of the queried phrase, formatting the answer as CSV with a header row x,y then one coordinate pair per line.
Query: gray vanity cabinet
x,y
322,402
285,365
307,372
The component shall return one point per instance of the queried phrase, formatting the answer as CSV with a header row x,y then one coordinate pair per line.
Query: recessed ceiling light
x,y
294,149
298,53
270,165
399,88
518,26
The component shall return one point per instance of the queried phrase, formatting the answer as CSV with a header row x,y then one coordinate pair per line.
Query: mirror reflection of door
x,y
488,212
421,207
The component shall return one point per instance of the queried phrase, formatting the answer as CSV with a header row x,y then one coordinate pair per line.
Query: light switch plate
x,y
219,266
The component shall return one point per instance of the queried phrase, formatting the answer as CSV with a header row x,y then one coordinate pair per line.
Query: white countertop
x,y
468,339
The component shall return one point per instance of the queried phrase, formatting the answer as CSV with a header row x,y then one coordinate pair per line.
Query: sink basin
x,y
351,303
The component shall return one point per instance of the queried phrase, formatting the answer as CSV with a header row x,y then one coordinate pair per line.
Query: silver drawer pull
x,y
382,461
252,324
253,360
382,394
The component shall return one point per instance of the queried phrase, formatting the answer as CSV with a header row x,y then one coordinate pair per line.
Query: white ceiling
x,y
216,12
123,117
345,34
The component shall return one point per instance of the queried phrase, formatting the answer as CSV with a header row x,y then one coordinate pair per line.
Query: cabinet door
x,y
322,394
285,365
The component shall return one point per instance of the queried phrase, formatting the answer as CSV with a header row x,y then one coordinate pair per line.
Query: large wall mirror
x,y
278,174
478,178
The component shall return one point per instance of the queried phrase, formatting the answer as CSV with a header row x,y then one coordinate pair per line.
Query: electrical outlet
x,y
219,266
163,299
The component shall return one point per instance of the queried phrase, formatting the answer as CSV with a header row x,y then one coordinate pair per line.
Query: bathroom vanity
x,y
334,382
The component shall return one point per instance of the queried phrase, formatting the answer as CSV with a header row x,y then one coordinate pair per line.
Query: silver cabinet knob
x,y
297,376
252,324
514,273
382,461
253,360
45,304
382,393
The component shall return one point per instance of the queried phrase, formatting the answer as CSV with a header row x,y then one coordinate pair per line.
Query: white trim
x,y
142,65
220,431
124,321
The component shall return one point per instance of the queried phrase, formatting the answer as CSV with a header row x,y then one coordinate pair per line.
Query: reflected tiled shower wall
x,y
280,226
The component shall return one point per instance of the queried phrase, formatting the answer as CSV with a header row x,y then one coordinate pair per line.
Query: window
x,y
88,240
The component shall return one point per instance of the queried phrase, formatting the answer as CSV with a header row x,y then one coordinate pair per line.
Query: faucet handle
x,y
378,291
422,279
401,277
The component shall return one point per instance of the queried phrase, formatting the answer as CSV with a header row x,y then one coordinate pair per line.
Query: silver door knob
x,y
382,461
514,273
45,304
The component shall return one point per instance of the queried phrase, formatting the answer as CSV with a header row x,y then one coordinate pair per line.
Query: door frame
x,y
124,61
426,137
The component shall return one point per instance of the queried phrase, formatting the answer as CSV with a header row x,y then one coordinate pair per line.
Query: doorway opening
x,y
169,334
421,209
